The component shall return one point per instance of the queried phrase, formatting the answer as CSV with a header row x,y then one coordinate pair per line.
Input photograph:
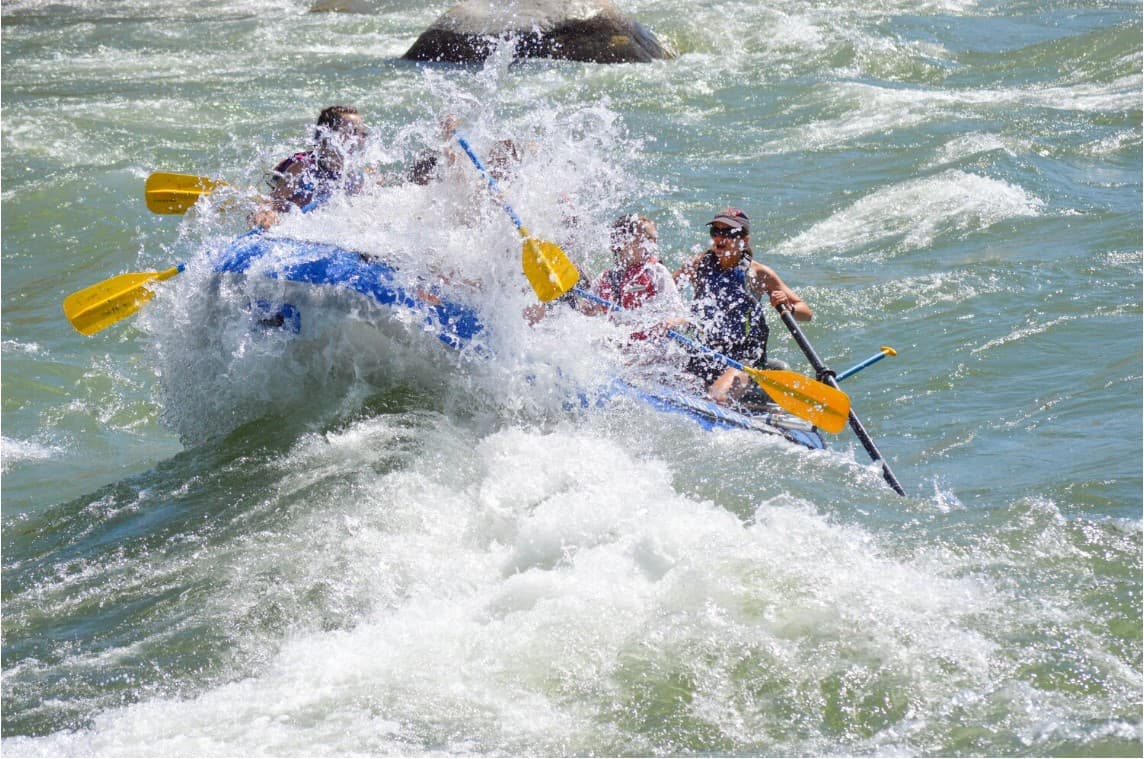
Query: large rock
x,y
574,30
348,6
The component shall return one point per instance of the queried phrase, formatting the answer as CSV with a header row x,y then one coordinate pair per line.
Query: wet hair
x,y
424,168
625,229
503,157
333,118
503,152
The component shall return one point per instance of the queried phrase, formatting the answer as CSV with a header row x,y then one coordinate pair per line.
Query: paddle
x,y
169,193
98,306
103,304
550,272
828,376
825,406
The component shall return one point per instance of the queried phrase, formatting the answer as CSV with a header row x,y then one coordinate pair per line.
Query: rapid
x,y
219,542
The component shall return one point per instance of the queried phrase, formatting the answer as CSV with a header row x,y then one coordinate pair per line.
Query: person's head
x,y
503,156
730,236
633,239
339,132
424,168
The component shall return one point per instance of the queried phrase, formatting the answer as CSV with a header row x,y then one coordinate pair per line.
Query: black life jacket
x,y
731,319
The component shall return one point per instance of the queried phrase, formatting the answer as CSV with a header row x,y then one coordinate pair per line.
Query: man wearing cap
x,y
731,294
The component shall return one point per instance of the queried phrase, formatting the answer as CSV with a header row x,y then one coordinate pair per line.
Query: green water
x,y
414,559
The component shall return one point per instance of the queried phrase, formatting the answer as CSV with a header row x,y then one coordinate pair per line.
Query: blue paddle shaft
x,y
488,177
862,365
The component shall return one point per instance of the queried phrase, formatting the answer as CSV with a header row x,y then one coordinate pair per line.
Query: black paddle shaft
x,y
826,375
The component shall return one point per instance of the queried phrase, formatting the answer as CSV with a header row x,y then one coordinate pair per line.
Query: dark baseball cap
x,y
733,218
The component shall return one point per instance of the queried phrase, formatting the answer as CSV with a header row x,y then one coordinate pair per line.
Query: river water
x,y
383,547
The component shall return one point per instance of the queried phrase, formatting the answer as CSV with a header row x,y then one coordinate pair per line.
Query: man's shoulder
x,y
294,164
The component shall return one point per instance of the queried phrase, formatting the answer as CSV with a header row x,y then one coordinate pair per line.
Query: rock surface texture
x,y
575,30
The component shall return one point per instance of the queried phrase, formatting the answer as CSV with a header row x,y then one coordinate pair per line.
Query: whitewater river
x,y
215,547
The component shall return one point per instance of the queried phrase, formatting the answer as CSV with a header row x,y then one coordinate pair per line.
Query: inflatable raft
x,y
324,269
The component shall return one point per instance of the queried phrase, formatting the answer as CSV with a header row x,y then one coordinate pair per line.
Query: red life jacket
x,y
628,288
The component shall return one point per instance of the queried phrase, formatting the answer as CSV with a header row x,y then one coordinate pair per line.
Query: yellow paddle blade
x,y
549,271
101,305
175,193
808,399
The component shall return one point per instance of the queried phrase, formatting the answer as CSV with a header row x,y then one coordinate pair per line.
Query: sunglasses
x,y
727,232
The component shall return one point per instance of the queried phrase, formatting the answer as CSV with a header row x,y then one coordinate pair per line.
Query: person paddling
x,y
638,291
638,283
731,294
317,173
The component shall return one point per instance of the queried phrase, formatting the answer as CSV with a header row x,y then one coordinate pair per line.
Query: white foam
x,y
867,111
971,146
20,346
522,588
911,215
14,452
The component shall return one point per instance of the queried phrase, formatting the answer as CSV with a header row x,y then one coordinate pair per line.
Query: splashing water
x,y
355,540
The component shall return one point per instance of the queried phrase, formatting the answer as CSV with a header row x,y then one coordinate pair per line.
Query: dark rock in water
x,y
347,6
584,30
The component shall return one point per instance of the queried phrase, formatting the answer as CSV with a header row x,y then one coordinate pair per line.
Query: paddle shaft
x,y
886,351
548,269
586,295
677,336
825,375
492,183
